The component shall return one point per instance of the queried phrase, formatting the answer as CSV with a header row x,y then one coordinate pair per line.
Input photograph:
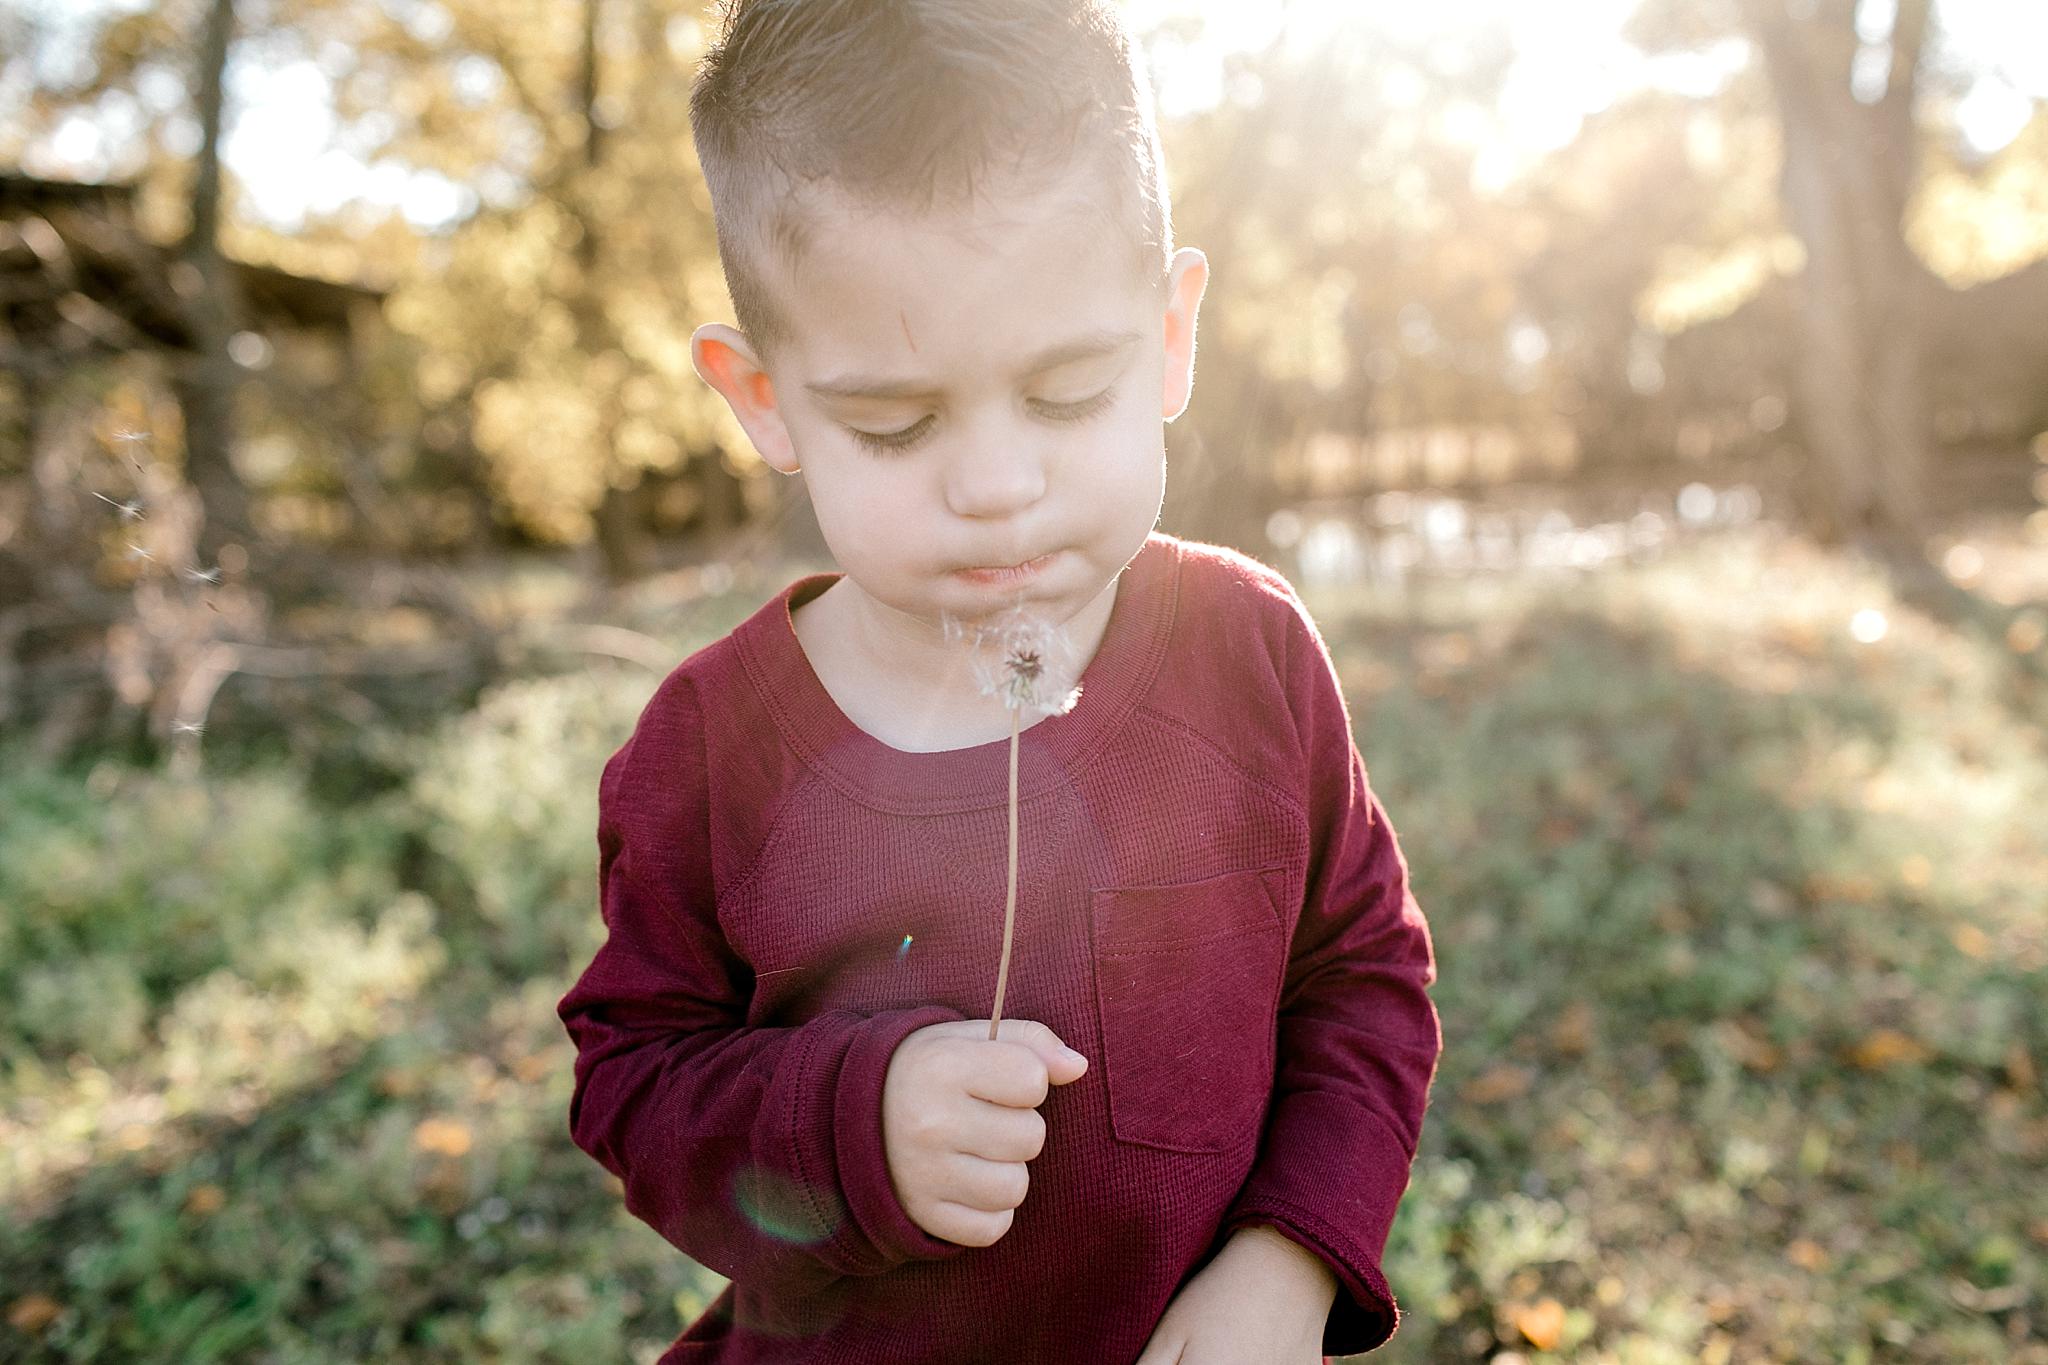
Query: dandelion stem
x,y
1010,900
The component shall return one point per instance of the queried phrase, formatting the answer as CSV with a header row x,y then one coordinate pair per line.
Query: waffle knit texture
x,y
1211,906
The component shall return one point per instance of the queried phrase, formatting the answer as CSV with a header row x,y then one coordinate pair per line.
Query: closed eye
x,y
915,433
894,440
1076,412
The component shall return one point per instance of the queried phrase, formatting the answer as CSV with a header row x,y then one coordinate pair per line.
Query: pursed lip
x,y
988,572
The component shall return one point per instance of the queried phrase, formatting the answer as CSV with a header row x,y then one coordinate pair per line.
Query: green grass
x,y
1741,927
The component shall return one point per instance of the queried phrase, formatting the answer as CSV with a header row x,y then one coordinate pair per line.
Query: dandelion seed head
x,y
1027,661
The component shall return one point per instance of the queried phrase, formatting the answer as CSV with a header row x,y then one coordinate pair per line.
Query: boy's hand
x,y
960,1118
1263,1300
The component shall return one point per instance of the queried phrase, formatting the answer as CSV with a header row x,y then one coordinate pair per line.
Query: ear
x,y
1185,284
724,360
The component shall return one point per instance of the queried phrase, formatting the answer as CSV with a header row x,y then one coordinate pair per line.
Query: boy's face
x,y
971,390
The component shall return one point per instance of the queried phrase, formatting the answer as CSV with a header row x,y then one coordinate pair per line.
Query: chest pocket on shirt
x,y
1187,983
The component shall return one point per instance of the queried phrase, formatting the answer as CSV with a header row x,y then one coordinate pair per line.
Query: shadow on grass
x,y
1742,979
1740,1035
418,1199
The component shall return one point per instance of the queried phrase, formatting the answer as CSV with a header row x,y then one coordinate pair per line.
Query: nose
x,y
996,472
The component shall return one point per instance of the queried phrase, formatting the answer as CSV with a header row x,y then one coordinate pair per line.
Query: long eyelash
x,y
1081,411
894,440
912,434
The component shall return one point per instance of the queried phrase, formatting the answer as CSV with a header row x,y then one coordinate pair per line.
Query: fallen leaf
x,y
1497,1083
1754,1052
1541,1323
1807,1254
1851,889
397,1082
1888,1047
443,1137
205,1199
1572,1032
2019,1066
1971,941
33,1312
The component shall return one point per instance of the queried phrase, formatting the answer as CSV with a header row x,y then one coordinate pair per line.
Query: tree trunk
x,y
621,539
207,379
1862,297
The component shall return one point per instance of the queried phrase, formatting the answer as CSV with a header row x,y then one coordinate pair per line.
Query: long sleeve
x,y
757,1151
1359,1036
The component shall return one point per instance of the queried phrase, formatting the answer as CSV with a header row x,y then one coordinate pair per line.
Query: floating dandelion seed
x,y
137,552
130,511
1029,663
211,575
187,727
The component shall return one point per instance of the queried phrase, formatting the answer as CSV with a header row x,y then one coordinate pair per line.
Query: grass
x,y
1744,973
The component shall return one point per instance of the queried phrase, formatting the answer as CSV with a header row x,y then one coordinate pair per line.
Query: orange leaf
x,y
2019,1067
205,1199
444,1137
1888,1047
1497,1083
1807,1254
1542,1323
1572,1032
33,1312
1971,941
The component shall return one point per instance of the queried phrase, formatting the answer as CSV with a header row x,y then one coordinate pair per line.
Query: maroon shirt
x,y
1211,906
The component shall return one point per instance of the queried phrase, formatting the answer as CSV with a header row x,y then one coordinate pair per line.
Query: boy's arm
x,y
1359,1036
756,1151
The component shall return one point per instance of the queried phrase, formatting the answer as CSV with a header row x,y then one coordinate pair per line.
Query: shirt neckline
x,y
883,777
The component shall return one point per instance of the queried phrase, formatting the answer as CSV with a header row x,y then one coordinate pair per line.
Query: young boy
x,y
946,231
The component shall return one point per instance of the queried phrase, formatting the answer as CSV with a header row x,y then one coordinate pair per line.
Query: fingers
x,y
1018,1068
1004,1073
997,1132
968,1227
987,1186
1062,1063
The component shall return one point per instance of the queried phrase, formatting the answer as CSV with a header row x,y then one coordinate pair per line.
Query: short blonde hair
x,y
914,105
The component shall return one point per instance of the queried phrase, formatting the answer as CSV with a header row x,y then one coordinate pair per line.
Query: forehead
x,y
959,290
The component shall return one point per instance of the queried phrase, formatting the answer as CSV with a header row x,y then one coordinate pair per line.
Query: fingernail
x,y
1072,1055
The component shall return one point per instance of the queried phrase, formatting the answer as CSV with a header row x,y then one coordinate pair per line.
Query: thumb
x,y
1062,1063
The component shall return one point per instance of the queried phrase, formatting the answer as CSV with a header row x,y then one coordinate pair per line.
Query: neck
x,y
902,680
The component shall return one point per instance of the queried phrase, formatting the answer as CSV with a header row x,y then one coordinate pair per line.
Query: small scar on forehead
x,y
904,318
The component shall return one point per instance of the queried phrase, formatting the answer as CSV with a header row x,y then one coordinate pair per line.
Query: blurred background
x,y
1649,396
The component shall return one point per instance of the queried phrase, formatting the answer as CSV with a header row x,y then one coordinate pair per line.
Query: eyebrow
x,y
1061,353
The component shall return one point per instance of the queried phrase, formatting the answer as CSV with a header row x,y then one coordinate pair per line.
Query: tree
x,y
207,381
557,307
1849,150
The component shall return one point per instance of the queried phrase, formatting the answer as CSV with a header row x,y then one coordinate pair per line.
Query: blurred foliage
x,y
1742,973
1742,963
1372,270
